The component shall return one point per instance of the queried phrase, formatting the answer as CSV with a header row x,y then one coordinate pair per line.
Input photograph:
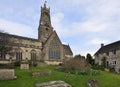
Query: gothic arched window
x,y
33,55
54,50
2,55
19,55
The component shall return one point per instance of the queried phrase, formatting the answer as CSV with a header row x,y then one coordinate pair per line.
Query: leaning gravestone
x,y
53,84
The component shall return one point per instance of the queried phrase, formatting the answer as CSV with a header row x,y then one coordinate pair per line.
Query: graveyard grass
x,y
24,78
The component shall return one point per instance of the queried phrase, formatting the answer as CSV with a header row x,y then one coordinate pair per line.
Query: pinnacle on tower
x,y
45,3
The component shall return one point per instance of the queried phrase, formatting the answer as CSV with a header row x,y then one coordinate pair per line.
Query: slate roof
x,y
67,49
19,37
108,48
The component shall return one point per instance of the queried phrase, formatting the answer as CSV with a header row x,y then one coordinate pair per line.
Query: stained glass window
x,y
54,50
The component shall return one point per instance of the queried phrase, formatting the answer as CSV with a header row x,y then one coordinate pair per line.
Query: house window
x,y
114,62
107,64
114,51
18,56
2,55
107,53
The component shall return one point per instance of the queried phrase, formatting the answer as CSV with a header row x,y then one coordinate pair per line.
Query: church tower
x,y
52,47
45,28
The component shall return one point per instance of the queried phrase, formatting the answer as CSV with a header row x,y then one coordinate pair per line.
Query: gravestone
x,y
92,83
53,84
41,73
24,65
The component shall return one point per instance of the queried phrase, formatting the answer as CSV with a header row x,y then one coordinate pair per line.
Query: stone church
x,y
48,47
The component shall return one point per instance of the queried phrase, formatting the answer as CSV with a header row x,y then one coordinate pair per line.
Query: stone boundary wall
x,y
53,62
6,74
4,61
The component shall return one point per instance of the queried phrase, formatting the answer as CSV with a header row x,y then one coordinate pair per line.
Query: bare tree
x,y
76,63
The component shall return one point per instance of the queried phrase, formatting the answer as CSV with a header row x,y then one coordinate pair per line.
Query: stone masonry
x,y
6,74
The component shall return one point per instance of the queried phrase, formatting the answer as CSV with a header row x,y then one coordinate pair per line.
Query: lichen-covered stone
x,y
6,74
41,73
92,83
24,65
53,84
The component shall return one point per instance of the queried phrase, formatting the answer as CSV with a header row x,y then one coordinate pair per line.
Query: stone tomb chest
x,y
7,74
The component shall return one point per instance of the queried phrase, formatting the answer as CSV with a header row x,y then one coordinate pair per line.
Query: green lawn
x,y
24,79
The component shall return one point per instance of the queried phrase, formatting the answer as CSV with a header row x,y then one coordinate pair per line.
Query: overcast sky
x,y
83,24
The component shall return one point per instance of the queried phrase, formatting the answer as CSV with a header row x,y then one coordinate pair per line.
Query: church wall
x,y
62,57
26,46
47,45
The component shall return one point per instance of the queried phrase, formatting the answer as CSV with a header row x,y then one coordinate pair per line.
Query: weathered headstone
x,y
92,83
53,84
41,73
24,65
